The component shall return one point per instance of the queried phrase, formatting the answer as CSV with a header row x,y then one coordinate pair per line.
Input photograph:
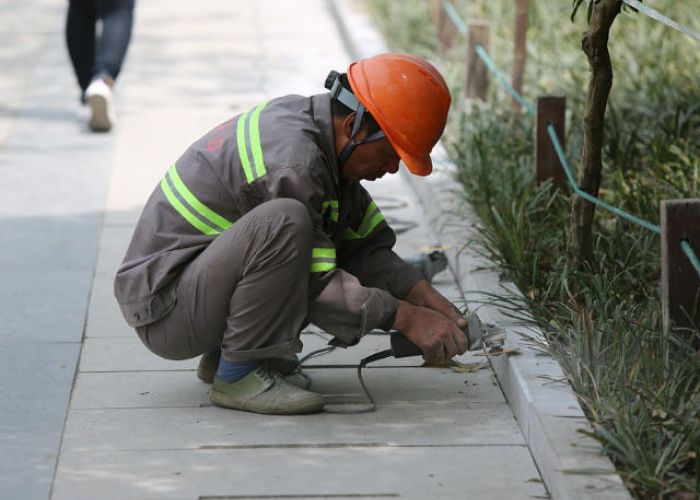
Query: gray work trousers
x,y
247,292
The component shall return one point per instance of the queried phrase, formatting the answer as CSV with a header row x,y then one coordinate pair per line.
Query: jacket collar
x,y
321,111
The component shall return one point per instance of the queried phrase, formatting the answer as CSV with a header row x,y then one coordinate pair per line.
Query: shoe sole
x,y
99,119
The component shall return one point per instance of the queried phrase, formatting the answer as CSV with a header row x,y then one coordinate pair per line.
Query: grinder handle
x,y
401,347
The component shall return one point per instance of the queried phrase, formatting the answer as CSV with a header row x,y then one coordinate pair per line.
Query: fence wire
x,y
483,55
452,13
658,16
691,255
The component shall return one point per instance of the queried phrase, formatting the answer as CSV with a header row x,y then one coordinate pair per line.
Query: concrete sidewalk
x,y
54,182
139,427
144,427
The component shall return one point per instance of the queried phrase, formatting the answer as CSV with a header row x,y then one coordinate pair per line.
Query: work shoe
x,y
99,97
265,391
285,366
429,264
209,364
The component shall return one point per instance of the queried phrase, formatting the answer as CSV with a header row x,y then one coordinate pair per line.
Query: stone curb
x,y
572,465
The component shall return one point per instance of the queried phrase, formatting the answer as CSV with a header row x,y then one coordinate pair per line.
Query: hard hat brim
x,y
417,165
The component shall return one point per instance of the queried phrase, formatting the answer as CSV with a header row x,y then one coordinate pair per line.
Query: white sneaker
x,y
99,98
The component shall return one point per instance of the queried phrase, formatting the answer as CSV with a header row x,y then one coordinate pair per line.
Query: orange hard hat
x,y
408,98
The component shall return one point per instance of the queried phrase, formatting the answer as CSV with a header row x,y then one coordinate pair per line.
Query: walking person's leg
x,y
80,39
117,22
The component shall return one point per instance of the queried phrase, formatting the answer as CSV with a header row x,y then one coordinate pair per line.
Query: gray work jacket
x,y
280,149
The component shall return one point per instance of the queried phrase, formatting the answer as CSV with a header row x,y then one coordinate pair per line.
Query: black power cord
x,y
372,405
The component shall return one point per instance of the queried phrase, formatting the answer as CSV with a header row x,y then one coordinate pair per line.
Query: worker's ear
x,y
349,123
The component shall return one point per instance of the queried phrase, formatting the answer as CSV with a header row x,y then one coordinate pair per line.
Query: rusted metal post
x,y
520,47
550,109
447,31
680,283
477,73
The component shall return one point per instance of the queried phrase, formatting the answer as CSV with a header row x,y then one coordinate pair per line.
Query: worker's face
x,y
370,161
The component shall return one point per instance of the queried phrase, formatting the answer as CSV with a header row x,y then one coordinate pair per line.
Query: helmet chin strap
x,y
349,100
352,144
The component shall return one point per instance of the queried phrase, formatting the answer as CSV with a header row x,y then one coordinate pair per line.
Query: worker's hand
x,y
423,294
435,334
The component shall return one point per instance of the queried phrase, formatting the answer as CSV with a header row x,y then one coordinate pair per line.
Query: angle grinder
x,y
480,336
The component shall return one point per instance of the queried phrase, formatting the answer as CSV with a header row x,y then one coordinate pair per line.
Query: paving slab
x,y
180,388
398,424
104,319
36,383
147,389
391,385
126,354
54,180
23,37
301,472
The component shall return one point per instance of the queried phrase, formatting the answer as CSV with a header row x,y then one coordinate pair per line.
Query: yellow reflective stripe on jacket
x,y
189,207
322,259
248,127
333,206
370,220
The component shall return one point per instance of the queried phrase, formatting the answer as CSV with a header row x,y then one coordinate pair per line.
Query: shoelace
x,y
267,375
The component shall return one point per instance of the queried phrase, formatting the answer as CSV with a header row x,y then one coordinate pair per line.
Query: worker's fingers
x,y
437,334
452,342
461,344
454,314
434,353
451,347
444,347
425,295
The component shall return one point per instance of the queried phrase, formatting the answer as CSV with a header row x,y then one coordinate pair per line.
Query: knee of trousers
x,y
277,231
296,215
297,212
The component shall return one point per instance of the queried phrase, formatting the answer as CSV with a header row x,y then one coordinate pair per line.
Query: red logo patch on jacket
x,y
215,143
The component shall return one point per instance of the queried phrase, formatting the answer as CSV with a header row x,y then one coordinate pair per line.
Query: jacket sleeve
x,y
366,250
340,303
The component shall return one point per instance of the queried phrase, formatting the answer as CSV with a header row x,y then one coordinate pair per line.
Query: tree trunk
x,y
521,11
595,46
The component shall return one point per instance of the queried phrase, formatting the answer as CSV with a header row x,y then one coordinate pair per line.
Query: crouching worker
x,y
262,226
